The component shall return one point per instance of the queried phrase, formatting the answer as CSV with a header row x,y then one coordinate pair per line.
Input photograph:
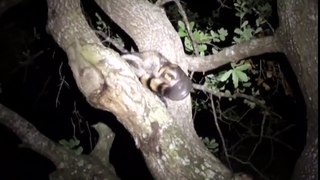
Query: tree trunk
x,y
298,33
165,135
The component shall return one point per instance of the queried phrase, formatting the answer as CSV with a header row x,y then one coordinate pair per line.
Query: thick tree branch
x,y
103,146
149,27
109,84
64,159
298,34
234,53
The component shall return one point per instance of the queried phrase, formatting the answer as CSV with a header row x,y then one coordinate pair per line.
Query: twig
x,y
111,41
219,131
62,82
251,165
90,136
186,22
162,2
260,137
235,95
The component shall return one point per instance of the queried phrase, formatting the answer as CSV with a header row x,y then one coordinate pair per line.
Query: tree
x,y
302,60
164,133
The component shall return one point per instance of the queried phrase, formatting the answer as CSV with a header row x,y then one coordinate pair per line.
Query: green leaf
x,y
213,34
181,25
259,29
252,105
182,33
198,36
235,79
227,93
238,31
241,76
214,51
63,142
191,24
243,67
233,65
78,151
244,24
242,14
222,88
223,33
247,33
259,21
202,47
75,142
225,76
243,4
236,39
188,45
247,84
204,38
212,145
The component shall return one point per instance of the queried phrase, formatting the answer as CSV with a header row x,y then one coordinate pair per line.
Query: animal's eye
x,y
170,75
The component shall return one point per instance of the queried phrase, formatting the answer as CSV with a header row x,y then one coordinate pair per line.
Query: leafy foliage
x,y
199,105
212,145
202,38
237,72
246,85
244,9
72,144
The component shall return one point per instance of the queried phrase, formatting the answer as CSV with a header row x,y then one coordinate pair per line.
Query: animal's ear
x,y
133,59
135,62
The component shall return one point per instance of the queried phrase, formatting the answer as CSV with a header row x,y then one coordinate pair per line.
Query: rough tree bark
x,y
165,135
298,34
150,29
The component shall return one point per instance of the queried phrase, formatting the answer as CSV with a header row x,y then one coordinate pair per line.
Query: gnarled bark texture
x,y
166,136
298,34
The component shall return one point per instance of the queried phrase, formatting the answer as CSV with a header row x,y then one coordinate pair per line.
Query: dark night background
x,y
30,86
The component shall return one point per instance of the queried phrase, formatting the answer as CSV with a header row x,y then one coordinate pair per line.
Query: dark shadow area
x,y
32,68
284,131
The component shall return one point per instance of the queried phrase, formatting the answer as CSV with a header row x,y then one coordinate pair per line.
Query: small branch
x,y
222,5
251,165
260,137
111,41
259,14
235,95
186,22
30,136
90,135
280,142
219,131
62,82
162,2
